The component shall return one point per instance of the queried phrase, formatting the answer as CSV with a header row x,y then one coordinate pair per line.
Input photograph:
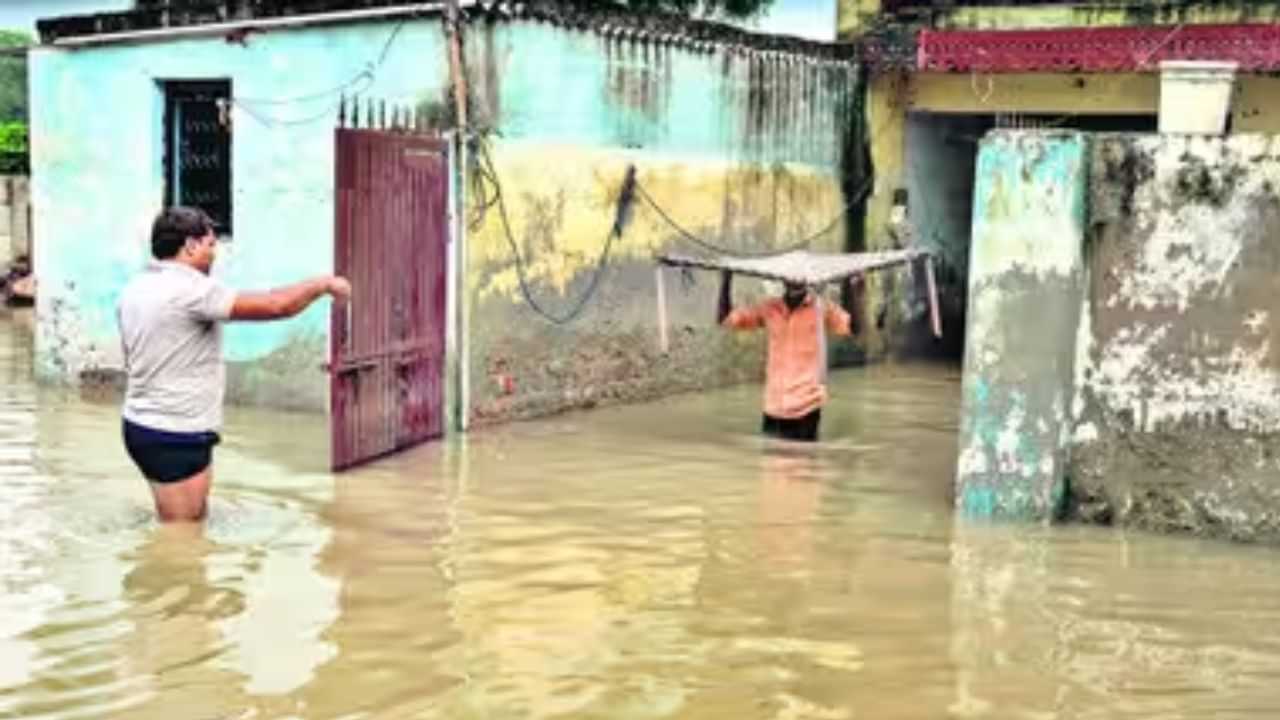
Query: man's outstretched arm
x,y
288,301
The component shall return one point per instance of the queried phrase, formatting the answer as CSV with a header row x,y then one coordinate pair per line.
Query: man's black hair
x,y
174,226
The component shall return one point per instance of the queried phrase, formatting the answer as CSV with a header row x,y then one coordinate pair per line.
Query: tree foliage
x,y
732,9
13,77
13,102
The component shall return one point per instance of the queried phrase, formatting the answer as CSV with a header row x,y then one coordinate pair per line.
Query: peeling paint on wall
x,y
741,142
1178,423
741,148
98,183
1026,282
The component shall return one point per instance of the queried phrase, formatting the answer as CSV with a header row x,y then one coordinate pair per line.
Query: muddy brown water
x,y
658,561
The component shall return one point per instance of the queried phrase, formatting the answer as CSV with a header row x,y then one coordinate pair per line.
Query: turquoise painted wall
x,y
97,149
1026,290
742,147
539,81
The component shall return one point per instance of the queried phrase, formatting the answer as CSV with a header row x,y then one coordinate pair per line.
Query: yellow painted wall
x,y
561,199
887,99
1075,93
892,96
561,202
1257,105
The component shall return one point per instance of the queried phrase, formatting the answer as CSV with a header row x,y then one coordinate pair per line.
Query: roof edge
x,y
227,17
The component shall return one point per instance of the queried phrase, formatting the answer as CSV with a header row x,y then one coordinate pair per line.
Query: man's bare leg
x,y
185,500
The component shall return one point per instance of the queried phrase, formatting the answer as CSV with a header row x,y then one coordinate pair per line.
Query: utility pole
x,y
453,20
459,361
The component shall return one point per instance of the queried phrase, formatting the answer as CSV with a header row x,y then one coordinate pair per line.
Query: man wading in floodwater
x,y
170,319
796,370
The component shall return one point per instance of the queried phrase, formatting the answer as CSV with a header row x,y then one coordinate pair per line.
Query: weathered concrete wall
x,y
940,157
98,182
886,102
742,148
743,145
15,218
1178,414
1026,282
893,94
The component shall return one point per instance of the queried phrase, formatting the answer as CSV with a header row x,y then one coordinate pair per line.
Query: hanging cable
x,y
625,199
368,76
485,173
855,198
738,253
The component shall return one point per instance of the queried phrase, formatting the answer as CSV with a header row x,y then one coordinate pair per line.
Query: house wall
x,y
1177,411
15,226
1159,363
940,157
1026,281
741,148
894,94
97,183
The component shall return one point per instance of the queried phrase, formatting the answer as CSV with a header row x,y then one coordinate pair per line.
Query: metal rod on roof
x,y
455,64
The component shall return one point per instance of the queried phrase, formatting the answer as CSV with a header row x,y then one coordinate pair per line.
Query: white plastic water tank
x,y
1195,95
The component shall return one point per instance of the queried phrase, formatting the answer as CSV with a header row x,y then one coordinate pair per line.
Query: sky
x,y
810,19
22,14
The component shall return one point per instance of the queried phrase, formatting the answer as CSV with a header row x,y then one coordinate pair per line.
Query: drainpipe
x,y
456,359
461,314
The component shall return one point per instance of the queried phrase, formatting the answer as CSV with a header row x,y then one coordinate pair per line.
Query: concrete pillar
x,y
1026,292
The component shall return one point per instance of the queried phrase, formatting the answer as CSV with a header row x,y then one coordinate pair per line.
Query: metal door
x,y
387,350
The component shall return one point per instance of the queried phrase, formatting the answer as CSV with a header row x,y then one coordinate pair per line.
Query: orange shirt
x,y
794,371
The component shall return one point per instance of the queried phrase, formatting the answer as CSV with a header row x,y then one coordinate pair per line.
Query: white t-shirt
x,y
170,319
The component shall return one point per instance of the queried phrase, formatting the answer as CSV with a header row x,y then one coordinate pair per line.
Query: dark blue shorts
x,y
166,457
804,429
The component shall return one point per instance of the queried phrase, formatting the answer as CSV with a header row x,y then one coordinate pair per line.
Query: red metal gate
x,y
387,351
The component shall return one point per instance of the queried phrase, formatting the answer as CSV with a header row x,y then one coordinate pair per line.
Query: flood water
x,y
647,562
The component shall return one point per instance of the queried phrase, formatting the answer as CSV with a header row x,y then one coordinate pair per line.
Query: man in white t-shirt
x,y
170,319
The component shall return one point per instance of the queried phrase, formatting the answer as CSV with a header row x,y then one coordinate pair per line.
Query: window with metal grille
x,y
197,148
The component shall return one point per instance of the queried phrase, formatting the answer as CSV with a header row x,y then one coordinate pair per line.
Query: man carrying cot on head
x,y
796,369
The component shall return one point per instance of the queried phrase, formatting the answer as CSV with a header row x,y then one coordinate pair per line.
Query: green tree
x,y
711,9
13,76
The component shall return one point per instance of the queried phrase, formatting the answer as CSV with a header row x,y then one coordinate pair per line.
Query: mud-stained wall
x,y
1026,278
15,218
738,137
98,182
1178,379
741,148
940,156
